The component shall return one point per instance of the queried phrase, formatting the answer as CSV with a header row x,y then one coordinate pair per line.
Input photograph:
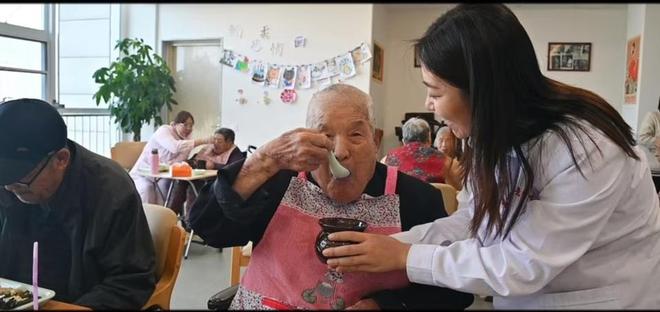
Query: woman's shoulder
x,y
558,149
164,129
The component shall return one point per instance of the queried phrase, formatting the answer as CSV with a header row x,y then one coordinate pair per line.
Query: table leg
x,y
192,233
169,193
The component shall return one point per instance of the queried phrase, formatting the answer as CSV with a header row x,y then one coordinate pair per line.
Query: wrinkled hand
x,y
299,150
365,304
372,253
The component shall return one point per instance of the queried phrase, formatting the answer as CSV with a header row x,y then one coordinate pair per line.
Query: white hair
x,y
416,130
357,97
439,134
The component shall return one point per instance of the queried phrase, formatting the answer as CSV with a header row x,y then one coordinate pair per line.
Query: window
x,y
24,38
49,51
24,15
87,35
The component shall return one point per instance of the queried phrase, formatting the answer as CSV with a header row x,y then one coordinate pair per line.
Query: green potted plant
x,y
139,83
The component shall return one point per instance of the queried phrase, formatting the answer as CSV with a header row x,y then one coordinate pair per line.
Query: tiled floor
x,y
206,271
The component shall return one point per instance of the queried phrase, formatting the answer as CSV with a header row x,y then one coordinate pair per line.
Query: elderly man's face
x,y
348,127
220,144
43,181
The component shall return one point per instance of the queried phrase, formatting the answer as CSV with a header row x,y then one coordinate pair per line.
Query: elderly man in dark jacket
x,y
95,248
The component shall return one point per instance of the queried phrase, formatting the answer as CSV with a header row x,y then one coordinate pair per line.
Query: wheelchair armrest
x,y
222,300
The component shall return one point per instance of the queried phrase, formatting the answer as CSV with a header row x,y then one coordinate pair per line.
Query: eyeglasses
x,y
187,125
27,184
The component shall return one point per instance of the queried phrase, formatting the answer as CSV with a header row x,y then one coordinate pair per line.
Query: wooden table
x,y
198,174
58,305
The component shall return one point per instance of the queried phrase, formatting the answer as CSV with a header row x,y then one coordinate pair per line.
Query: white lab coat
x,y
589,243
171,149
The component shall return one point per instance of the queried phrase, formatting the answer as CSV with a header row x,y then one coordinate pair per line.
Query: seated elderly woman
x,y
276,198
450,146
419,159
447,143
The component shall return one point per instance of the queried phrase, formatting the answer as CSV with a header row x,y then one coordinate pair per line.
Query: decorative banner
x,y
304,77
346,66
228,58
258,72
332,69
289,77
361,54
272,76
242,63
319,70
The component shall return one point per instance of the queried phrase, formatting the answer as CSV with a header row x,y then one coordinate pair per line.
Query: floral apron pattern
x,y
284,271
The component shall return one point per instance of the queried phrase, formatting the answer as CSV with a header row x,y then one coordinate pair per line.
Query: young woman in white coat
x,y
558,210
174,143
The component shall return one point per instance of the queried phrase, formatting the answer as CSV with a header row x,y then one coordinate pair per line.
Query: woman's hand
x,y
372,253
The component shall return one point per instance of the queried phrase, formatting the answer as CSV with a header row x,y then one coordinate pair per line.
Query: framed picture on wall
x,y
416,63
632,68
378,62
569,56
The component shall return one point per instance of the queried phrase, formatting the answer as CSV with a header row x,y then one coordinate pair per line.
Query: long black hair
x,y
483,50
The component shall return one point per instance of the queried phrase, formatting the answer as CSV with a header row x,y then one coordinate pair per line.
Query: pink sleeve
x,y
165,137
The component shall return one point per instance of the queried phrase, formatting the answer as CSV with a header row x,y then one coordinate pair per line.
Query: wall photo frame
x,y
416,63
569,56
378,63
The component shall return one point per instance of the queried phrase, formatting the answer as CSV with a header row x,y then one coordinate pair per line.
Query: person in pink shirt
x,y
174,143
214,156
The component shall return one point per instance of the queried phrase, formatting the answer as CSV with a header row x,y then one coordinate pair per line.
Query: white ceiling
x,y
392,7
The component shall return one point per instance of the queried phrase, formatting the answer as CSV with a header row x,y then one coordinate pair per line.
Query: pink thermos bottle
x,y
155,161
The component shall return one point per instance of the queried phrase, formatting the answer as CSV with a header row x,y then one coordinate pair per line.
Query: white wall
x,y
139,21
403,88
377,90
602,25
649,65
330,29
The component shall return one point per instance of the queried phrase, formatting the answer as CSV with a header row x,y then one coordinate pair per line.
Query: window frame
x,y
46,37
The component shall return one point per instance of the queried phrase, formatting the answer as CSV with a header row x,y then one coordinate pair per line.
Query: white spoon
x,y
336,168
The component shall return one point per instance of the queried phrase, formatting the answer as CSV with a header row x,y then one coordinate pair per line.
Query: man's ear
x,y
62,158
378,137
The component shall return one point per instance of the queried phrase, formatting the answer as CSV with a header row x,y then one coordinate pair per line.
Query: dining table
x,y
197,174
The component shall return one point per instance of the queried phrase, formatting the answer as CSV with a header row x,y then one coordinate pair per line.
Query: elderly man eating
x,y
276,198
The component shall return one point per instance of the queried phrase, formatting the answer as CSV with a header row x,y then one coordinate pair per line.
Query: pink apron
x,y
284,271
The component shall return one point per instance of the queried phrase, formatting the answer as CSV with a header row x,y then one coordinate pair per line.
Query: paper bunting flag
x,y
304,77
345,65
361,53
289,77
319,70
242,63
272,76
258,70
365,53
228,58
332,69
